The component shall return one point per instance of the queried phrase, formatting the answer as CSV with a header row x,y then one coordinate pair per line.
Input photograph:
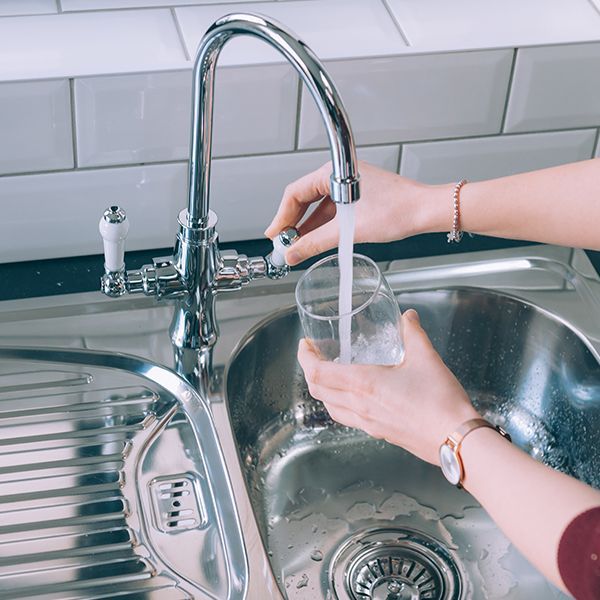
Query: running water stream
x,y
345,213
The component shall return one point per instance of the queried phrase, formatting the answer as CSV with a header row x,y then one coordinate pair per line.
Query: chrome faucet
x,y
198,270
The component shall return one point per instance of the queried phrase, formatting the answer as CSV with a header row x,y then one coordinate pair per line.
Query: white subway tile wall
x,y
146,118
332,28
416,97
68,205
488,157
76,44
439,24
11,8
35,126
95,105
245,193
555,87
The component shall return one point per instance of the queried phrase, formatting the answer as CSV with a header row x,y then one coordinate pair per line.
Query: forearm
x,y
559,205
530,502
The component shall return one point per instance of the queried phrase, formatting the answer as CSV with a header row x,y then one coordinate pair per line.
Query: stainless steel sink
x,y
345,516
112,483
88,436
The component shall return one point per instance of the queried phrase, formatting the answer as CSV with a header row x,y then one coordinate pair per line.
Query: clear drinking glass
x,y
374,320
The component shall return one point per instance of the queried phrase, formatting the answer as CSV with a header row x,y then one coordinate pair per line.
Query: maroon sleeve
x,y
579,556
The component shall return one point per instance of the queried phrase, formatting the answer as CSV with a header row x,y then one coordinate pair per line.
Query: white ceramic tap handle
x,y
114,226
281,243
278,256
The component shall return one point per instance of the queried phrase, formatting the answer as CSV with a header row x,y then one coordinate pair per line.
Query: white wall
x,y
95,102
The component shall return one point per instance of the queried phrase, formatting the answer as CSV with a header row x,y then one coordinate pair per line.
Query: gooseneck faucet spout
x,y
344,179
198,270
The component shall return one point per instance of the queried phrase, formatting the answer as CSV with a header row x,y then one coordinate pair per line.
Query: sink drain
x,y
177,503
394,564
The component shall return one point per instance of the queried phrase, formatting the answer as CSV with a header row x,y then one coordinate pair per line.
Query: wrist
x,y
476,452
434,210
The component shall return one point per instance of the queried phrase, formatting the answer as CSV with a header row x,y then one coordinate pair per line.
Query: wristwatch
x,y
450,459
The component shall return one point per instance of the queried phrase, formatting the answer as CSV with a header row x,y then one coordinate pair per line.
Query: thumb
x,y
414,335
310,244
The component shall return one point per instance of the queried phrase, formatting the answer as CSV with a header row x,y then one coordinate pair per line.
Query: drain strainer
x,y
394,564
177,503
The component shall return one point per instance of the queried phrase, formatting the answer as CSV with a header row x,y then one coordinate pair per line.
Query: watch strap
x,y
455,439
467,427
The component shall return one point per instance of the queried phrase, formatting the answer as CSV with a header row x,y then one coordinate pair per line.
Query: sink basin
x,y
109,468
345,516
316,501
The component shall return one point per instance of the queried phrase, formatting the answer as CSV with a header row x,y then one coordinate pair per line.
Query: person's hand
x,y
416,404
391,207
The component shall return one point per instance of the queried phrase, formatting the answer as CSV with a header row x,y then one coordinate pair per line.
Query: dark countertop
x,y
82,273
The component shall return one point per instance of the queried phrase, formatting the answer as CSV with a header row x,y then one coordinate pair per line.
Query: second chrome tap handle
x,y
277,268
114,226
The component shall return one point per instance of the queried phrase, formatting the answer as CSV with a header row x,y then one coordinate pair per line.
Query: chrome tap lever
x,y
160,279
114,227
238,270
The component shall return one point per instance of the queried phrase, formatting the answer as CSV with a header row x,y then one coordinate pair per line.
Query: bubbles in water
x,y
382,347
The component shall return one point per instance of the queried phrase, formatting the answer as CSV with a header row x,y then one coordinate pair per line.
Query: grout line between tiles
x,y
408,53
454,138
73,122
395,21
402,144
565,284
595,149
508,90
180,34
95,168
399,164
298,114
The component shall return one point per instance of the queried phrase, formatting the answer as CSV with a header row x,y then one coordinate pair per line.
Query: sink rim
x,y
291,308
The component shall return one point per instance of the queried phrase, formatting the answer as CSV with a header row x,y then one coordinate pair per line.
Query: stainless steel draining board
x,y
110,472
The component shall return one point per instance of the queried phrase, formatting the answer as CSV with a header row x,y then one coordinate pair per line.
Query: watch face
x,y
449,464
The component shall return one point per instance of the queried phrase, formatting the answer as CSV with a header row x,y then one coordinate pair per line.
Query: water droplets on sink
x,y
310,525
316,555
